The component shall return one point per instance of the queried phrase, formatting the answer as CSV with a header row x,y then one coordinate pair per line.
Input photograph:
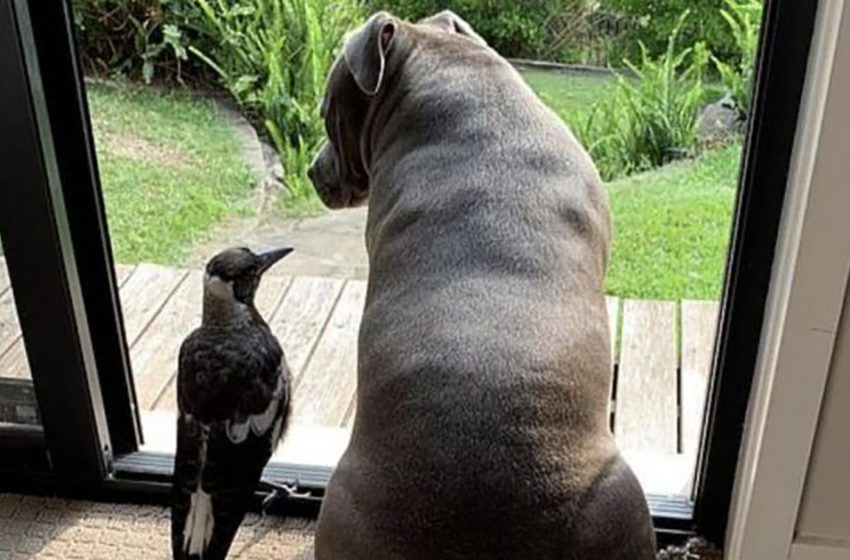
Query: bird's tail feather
x,y
198,530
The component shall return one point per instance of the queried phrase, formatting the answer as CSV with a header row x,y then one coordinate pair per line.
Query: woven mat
x,y
34,528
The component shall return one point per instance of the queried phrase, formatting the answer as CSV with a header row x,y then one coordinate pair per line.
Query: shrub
x,y
273,57
139,38
744,19
514,29
652,117
651,23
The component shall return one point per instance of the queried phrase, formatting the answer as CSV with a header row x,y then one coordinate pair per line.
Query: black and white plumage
x,y
233,389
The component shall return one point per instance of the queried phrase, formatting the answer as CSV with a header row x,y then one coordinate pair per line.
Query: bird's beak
x,y
269,258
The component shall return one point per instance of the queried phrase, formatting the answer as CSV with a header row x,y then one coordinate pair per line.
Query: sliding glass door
x,y
88,346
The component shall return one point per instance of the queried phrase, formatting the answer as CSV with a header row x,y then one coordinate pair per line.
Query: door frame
x,y
808,288
83,264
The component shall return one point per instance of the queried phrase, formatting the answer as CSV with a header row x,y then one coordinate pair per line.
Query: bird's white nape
x,y
199,524
220,288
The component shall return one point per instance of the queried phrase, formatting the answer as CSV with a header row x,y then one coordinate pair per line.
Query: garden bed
x,y
172,174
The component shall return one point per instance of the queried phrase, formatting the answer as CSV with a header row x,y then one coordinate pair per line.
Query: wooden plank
x,y
647,406
699,323
145,293
324,393
269,295
14,363
302,316
10,328
267,301
154,356
301,445
613,305
123,272
4,275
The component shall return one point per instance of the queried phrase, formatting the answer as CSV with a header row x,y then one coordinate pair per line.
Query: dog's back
x,y
481,428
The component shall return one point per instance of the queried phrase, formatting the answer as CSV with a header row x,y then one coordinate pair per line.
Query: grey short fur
x,y
484,354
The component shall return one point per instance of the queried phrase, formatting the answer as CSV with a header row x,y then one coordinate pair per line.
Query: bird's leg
x,y
280,491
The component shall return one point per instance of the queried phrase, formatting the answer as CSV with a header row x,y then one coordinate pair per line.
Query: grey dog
x,y
484,353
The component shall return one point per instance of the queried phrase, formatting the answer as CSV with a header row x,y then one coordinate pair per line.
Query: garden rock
x,y
274,169
719,121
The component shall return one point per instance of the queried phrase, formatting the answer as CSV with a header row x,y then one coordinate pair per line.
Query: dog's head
x,y
340,172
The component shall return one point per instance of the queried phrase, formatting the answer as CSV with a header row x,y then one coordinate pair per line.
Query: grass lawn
x,y
569,94
171,169
573,94
672,227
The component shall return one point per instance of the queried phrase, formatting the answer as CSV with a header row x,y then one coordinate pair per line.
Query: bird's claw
x,y
280,491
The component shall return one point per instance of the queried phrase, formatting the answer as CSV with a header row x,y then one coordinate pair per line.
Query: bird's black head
x,y
234,274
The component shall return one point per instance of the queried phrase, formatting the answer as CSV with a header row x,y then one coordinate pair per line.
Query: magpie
x,y
233,389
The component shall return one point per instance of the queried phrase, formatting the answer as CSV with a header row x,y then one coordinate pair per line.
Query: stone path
x,y
331,244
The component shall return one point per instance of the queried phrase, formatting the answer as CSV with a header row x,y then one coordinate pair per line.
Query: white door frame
x,y
807,289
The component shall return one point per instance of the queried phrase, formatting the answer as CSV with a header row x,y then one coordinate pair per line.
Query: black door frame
x,y
60,261
787,32
43,267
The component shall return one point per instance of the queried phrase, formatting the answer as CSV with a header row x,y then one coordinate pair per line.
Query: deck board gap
x,y
300,374
160,307
279,302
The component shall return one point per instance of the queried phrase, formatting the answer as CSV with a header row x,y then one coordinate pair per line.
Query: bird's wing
x,y
230,376
263,422
233,404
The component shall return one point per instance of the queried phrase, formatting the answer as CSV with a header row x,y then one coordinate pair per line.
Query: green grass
x,y
572,95
569,94
672,227
171,169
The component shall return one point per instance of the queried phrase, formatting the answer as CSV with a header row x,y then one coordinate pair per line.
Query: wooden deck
x,y
657,392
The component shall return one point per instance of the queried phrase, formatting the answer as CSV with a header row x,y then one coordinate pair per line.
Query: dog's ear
x,y
450,22
366,50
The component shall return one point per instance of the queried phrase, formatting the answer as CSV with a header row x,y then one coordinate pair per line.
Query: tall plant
x,y
652,117
134,37
273,57
744,19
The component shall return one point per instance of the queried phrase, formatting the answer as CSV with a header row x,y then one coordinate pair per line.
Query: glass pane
x,y
17,398
175,177
185,176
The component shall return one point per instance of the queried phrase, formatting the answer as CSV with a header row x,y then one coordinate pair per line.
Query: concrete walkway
x,y
331,244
